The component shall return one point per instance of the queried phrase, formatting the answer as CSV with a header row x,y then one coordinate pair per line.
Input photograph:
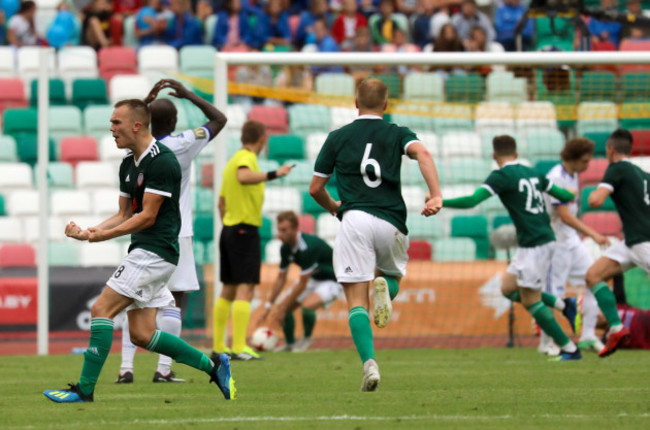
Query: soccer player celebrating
x,y
372,242
520,190
316,287
150,182
571,259
185,146
629,187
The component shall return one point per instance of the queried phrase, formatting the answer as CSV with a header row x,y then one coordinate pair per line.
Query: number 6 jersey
x,y
520,190
367,158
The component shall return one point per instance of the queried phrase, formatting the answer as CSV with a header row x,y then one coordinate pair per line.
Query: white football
x,y
264,339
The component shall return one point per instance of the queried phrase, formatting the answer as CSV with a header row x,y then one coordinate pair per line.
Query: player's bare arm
x,y
417,151
572,221
74,231
150,206
246,176
598,196
320,194
125,212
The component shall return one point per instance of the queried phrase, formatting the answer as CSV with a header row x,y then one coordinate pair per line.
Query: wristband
x,y
271,175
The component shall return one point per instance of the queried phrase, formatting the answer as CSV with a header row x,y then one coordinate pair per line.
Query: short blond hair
x,y
372,94
288,216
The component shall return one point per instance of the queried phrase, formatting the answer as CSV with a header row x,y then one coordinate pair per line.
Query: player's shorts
x,y
531,266
570,263
328,290
366,242
241,254
143,276
184,277
637,255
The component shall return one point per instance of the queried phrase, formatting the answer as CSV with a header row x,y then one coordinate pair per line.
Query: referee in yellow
x,y
240,209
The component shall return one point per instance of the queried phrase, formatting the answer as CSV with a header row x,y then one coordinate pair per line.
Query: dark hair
x,y
252,131
26,6
288,216
163,116
504,145
621,141
138,108
576,148
372,94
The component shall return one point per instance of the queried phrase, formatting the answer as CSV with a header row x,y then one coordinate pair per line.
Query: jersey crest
x,y
140,179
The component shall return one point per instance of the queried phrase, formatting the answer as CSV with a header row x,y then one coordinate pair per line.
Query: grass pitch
x,y
420,389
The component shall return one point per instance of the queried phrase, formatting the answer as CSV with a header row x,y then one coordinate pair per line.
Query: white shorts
x,y
570,263
638,255
366,242
327,290
531,266
142,276
184,277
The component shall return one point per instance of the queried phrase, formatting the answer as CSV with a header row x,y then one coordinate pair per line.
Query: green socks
x,y
361,333
288,328
548,299
101,338
606,303
308,321
176,348
547,322
393,287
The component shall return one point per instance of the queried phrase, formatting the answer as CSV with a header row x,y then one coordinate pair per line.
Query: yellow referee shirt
x,y
243,202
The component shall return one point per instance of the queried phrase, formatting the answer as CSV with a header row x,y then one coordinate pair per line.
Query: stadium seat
x,y
544,166
209,252
532,115
199,253
278,199
27,147
76,62
266,229
207,175
272,251
28,62
595,172
155,61
505,87
11,229
474,227
413,197
89,91
494,116
203,228
420,227
335,84
301,175
423,121
584,201
305,119
7,62
451,118
12,93
17,255
464,89
236,118
428,87
3,211
605,223
274,117
64,121
97,120
76,149
420,250
307,224
392,82
500,220
203,201
595,116
466,170
117,60
411,174
560,33
598,86
641,142
454,249
100,254
16,176
642,162
634,45
60,175
23,203
57,92
600,140
314,143
63,254
198,60
20,120
327,226
91,174
461,144
284,147
341,116
70,202
8,152
430,142
309,205
108,150
635,87
105,201
544,144
128,87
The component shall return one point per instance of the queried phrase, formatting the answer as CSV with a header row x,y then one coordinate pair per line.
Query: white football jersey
x,y
186,146
563,179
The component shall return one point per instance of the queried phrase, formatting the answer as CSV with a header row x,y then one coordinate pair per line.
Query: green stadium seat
x,y
584,201
284,147
305,119
57,92
209,252
635,86
199,253
475,227
8,152
636,288
97,120
89,91
204,228
20,121
63,254
543,166
197,60
60,175
27,148
64,121
309,205
505,87
203,201
500,220
415,122
420,227
465,89
466,170
598,86
635,116
600,139
428,87
337,84
449,117
3,211
266,230
454,249
301,175
560,36
544,144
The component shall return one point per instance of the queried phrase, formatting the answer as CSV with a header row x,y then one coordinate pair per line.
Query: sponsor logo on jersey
x,y
140,179
128,178
200,133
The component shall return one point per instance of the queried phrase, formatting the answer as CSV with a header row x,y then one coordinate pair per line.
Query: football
x,y
264,339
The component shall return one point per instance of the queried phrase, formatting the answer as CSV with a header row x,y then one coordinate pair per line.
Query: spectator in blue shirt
x,y
422,25
237,26
506,18
317,10
324,43
183,29
275,23
604,31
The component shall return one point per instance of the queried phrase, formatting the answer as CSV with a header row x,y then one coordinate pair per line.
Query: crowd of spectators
x,y
291,25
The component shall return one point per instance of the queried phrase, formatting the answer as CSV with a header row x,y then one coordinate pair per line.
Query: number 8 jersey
x,y
520,190
367,158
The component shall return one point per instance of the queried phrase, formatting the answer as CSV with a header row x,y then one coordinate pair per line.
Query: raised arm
x,y
467,202
246,176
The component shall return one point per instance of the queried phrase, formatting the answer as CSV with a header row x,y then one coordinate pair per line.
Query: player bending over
x,y
520,189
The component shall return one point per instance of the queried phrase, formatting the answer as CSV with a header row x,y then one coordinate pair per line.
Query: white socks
x,y
170,322
589,315
128,349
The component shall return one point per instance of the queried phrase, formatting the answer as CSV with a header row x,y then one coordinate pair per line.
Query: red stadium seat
x,y
420,250
641,143
207,176
275,118
12,93
17,255
76,149
605,223
117,60
307,224
594,173
635,45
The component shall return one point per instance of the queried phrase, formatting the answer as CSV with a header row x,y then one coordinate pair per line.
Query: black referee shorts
x,y
241,254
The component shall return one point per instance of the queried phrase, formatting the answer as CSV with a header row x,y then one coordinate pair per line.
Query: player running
x,y
372,242
316,288
629,187
185,146
520,190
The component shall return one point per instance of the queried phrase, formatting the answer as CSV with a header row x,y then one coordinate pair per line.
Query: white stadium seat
x,y
106,201
96,175
70,203
11,229
108,150
327,226
100,254
154,61
76,62
23,203
16,175
128,87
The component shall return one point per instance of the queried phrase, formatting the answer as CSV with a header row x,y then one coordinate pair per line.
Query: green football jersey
x,y
156,172
520,190
367,158
312,254
630,187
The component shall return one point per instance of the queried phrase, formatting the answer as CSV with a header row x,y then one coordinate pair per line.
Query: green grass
x,y
420,389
